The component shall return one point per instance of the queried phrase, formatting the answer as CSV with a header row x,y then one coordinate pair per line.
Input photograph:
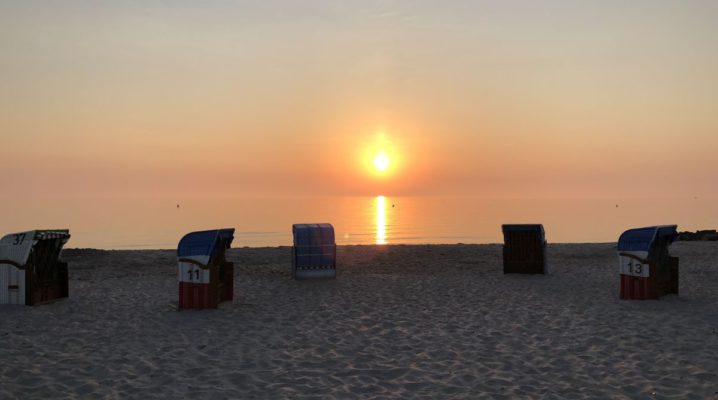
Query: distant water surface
x,y
143,223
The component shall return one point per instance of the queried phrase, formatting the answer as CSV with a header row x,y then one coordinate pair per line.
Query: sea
x,y
160,222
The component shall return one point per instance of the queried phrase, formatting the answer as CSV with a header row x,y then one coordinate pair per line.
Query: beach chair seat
x,y
646,268
30,268
314,252
205,277
524,249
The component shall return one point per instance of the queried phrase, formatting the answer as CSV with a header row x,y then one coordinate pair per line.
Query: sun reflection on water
x,y
380,220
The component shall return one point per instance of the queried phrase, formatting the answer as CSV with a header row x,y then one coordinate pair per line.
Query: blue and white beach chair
x,y
647,270
205,277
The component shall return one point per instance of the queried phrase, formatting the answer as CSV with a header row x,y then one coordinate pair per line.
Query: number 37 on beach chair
x,y
206,278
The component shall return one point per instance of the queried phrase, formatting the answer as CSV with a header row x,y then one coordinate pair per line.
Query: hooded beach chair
x,y
524,249
314,254
206,278
647,270
30,270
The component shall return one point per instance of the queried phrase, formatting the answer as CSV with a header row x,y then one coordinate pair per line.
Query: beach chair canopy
x,y
15,248
647,239
525,228
201,247
313,234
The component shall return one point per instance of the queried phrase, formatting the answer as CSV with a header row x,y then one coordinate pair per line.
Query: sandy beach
x,y
400,321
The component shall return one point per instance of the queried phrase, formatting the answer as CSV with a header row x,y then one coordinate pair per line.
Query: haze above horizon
x,y
405,98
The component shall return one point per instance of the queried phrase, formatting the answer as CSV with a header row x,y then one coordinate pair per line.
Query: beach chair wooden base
x,y
326,273
197,296
662,281
47,291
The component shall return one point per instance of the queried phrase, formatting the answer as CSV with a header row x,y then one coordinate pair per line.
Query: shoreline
x,y
74,249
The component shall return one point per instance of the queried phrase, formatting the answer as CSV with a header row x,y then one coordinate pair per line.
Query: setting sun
x,y
381,162
381,158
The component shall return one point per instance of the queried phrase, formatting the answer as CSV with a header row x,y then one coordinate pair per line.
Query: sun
x,y
380,159
381,162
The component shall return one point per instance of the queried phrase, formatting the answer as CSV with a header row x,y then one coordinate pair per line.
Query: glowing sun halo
x,y
381,162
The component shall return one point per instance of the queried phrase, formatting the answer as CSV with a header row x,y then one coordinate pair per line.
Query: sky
x,y
465,98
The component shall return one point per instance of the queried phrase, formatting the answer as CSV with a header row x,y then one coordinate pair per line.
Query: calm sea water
x,y
142,223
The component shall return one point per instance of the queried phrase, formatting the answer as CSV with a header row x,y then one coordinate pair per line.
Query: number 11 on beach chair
x,y
206,278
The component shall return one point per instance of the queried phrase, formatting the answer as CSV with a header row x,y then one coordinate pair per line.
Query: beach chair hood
x,y
646,242
15,248
308,234
538,228
201,247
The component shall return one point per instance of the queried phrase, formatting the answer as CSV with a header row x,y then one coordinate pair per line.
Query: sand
x,y
435,321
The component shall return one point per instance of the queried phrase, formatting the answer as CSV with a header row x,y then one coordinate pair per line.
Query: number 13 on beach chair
x,y
647,270
205,277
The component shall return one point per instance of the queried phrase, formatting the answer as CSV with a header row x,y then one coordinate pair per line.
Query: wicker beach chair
x,y
314,254
205,277
30,269
647,270
524,249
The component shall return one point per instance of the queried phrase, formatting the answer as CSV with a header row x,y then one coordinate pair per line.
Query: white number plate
x,y
192,273
631,266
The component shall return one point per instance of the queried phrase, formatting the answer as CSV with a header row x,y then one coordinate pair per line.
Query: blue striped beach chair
x,y
314,254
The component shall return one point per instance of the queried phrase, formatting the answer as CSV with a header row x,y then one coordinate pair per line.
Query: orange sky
x,y
505,98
